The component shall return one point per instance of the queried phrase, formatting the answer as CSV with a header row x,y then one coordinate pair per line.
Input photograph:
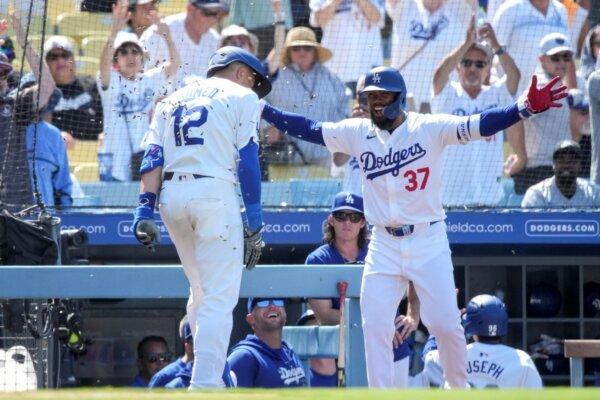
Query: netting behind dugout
x,y
102,129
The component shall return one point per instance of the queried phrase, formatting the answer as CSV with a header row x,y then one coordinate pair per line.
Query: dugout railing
x,y
169,282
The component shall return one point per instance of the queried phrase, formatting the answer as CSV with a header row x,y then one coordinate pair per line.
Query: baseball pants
x,y
423,258
204,222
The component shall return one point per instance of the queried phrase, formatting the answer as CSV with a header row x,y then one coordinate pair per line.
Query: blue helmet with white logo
x,y
485,315
230,54
387,79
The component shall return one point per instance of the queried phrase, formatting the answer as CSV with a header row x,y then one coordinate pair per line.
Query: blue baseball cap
x,y
185,330
347,201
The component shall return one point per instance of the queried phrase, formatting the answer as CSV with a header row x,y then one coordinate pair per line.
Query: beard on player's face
x,y
378,100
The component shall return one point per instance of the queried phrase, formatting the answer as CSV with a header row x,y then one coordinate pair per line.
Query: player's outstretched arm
x,y
294,124
250,186
536,100
144,228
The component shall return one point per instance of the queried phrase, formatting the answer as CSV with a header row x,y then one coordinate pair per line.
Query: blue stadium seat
x,y
313,192
275,194
113,194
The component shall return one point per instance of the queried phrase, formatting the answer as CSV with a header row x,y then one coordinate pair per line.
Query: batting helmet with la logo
x,y
387,79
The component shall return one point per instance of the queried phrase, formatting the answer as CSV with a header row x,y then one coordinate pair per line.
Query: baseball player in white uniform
x,y
490,364
195,140
400,157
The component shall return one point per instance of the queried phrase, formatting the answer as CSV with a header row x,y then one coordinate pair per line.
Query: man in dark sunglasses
x,y
264,359
542,132
471,94
153,354
196,39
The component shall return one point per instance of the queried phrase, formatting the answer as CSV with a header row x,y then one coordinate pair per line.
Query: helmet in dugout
x,y
544,301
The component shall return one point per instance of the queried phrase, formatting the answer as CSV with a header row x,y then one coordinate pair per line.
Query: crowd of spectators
x,y
457,56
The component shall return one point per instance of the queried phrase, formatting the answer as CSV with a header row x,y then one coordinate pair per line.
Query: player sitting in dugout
x,y
491,364
178,374
264,359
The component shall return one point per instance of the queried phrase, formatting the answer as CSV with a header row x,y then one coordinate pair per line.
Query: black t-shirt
x,y
17,110
79,111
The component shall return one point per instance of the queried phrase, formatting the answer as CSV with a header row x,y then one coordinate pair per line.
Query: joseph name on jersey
x,y
202,126
490,365
401,171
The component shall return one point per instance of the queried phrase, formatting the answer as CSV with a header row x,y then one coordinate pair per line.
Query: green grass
x,y
332,394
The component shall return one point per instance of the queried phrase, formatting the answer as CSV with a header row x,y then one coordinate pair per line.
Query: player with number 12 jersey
x,y
216,114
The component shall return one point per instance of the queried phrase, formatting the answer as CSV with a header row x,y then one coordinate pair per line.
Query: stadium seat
x,y
313,192
85,151
84,171
275,194
169,7
87,65
91,46
113,194
285,172
58,7
80,25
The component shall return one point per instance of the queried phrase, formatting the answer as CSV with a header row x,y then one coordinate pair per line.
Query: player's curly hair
x,y
329,235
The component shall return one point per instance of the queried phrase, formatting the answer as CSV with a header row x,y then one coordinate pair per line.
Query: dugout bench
x,y
577,351
169,282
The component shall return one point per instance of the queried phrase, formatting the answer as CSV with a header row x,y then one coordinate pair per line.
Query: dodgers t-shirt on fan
x,y
481,162
127,107
426,38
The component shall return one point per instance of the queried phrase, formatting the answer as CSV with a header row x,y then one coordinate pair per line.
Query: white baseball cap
x,y
58,42
126,37
554,43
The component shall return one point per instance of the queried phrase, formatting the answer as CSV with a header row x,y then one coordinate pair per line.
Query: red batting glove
x,y
539,100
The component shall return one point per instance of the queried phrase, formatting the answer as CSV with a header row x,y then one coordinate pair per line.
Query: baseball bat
x,y
342,286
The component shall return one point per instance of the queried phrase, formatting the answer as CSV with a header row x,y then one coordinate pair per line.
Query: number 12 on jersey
x,y
184,119
414,177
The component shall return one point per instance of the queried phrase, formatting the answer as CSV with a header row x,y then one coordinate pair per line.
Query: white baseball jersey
x,y
354,41
202,126
490,366
194,56
401,171
546,194
482,159
127,106
520,27
439,33
352,177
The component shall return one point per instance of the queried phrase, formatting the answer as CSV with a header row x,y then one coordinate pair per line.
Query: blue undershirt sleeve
x,y
249,176
497,119
294,124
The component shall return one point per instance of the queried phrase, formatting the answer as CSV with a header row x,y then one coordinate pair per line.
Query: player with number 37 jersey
x,y
400,156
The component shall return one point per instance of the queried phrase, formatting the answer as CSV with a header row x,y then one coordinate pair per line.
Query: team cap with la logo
x,y
347,201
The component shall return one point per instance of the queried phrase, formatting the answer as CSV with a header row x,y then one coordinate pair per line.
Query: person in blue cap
x,y
178,374
346,235
264,359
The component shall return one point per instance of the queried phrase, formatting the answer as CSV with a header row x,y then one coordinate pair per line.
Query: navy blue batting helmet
x,y
485,316
544,301
387,79
230,54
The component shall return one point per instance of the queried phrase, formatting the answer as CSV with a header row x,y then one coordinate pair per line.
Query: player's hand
x,y
253,245
147,233
359,112
405,326
540,99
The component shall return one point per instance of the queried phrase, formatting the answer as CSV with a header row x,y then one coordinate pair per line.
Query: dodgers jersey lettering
x,y
202,126
490,366
401,171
